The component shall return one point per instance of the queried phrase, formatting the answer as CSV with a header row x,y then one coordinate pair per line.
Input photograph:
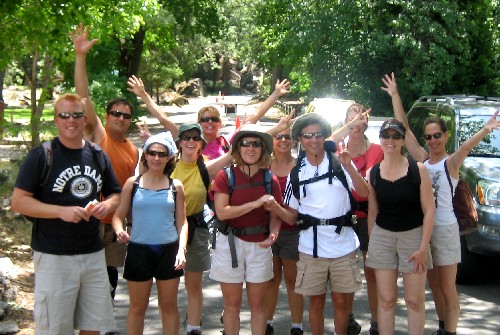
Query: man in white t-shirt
x,y
327,242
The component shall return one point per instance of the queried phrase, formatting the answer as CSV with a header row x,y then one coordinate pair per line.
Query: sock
x,y
449,333
189,328
441,324
297,325
270,322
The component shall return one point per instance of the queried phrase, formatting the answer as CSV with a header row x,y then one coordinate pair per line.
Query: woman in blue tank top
x,y
157,243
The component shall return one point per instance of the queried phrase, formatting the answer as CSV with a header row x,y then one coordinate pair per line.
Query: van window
x,y
471,124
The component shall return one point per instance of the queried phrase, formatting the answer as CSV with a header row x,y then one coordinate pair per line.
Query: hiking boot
x,y
373,331
269,330
353,328
296,331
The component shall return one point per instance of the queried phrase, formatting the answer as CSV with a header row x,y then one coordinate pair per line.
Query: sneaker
x,y
296,331
194,332
269,330
373,331
354,328
438,332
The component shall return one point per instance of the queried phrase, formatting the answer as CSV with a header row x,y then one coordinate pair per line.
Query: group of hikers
x,y
275,215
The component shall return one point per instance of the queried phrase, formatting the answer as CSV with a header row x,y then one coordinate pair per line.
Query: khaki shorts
x,y
114,251
72,292
198,252
287,244
255,264
314,274
445,245
389,250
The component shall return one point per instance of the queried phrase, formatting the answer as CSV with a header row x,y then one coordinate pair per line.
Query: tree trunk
x,y
277,75
2,105
130,54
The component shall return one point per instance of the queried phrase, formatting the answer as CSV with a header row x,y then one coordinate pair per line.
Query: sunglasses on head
x,y
194,138
280,137
126,116
428,137
255,144
67,115
394,136
209,118
154,153
311,135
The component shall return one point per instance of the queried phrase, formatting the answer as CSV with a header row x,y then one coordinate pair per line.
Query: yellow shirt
x,y
195,191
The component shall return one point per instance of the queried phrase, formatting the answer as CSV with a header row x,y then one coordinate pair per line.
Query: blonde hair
x,y
212,110
71,97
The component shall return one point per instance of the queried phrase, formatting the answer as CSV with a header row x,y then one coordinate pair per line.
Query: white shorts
x,y
445,245
255,264
72,292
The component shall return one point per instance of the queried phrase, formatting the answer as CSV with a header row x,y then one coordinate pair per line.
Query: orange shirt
x,y
123,156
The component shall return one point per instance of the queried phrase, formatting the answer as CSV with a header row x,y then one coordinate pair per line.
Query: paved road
x,y
480,303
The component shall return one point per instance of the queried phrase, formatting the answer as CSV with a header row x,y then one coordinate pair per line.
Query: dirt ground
x,y
14,243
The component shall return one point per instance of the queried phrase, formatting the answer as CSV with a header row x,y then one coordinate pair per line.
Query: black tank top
x,y
399,207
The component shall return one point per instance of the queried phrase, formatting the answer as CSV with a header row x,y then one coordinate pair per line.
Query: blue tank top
x,y
153,217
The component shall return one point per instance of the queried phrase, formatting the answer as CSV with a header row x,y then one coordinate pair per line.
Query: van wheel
x,y
468,270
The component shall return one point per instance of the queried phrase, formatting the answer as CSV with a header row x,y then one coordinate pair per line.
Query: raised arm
x,y
215,165
94,130
411,143
457,158
136,86
284,123
358,181
341,133
280,89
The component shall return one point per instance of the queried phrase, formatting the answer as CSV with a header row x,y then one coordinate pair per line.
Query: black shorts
x,y
144,262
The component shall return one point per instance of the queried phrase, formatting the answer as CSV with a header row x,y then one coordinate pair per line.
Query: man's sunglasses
x,y
255,144
395,136
209,118
194,138
126,116
280,137
311,135
154,153
67,115
428,137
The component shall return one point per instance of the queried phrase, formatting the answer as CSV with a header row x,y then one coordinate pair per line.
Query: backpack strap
x,y
267,180
224,143
448,177
48,156
413,166
203,172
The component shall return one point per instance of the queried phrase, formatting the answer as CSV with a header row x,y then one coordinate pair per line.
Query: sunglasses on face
x,y
209,118
428,137
154,153
280,137
255,144
67,115
395,136
311,135
126,116
194,138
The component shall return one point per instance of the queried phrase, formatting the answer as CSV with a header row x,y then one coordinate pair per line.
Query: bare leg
x,y
414,290
387,293
232,295
447,275
139,300
371,289
295,301
437,295
316,314
194,286
274,287
341,311
256,300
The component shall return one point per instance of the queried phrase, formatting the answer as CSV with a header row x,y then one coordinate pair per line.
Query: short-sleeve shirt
x,y
256,217
323,201
194,189
123,156
74,180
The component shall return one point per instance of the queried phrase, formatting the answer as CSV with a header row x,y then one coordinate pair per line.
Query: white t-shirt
x,y
444,214
323,201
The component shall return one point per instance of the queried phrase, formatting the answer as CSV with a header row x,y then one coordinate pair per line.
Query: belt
x,y
231,232
306,221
